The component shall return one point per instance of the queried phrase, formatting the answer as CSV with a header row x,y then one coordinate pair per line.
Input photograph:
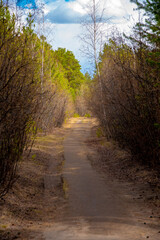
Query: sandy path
x,y
97,209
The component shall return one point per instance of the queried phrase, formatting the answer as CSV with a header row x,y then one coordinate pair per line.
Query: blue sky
x,y
31,4
62,20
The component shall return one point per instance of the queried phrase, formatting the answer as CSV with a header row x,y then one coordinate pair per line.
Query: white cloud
x,y
67,15
77,6
60,11
66,37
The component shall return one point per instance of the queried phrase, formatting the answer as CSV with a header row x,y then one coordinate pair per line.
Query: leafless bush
x,y
19,102
29,99
131,100
54,108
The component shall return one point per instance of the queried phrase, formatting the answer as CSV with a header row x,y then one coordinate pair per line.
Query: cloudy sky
x,y
63,17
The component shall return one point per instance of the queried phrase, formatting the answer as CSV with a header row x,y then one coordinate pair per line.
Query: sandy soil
x,y
118,164
37,196
99,204
52,198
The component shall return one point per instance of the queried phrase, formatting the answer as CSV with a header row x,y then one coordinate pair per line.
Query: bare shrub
x,y
131,100
30,99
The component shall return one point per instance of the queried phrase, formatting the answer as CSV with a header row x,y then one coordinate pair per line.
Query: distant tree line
x,y
37,89
127,103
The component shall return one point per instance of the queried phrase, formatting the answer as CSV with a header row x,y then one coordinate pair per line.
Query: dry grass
x,y
29,207
118,164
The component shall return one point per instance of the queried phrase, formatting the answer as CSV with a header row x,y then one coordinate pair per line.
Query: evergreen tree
x,y
72,70
151,27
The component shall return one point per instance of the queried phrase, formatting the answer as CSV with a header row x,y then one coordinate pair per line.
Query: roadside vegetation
x,y
41,87
125,92
38,89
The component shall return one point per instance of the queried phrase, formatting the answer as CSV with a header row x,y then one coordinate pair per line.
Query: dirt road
x,y
97,209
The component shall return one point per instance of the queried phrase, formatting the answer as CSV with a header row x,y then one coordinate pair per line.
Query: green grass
x,y
76,115
87,115
99,132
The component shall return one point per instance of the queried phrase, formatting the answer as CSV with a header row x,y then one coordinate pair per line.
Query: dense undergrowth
x,y
125,93
38,88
